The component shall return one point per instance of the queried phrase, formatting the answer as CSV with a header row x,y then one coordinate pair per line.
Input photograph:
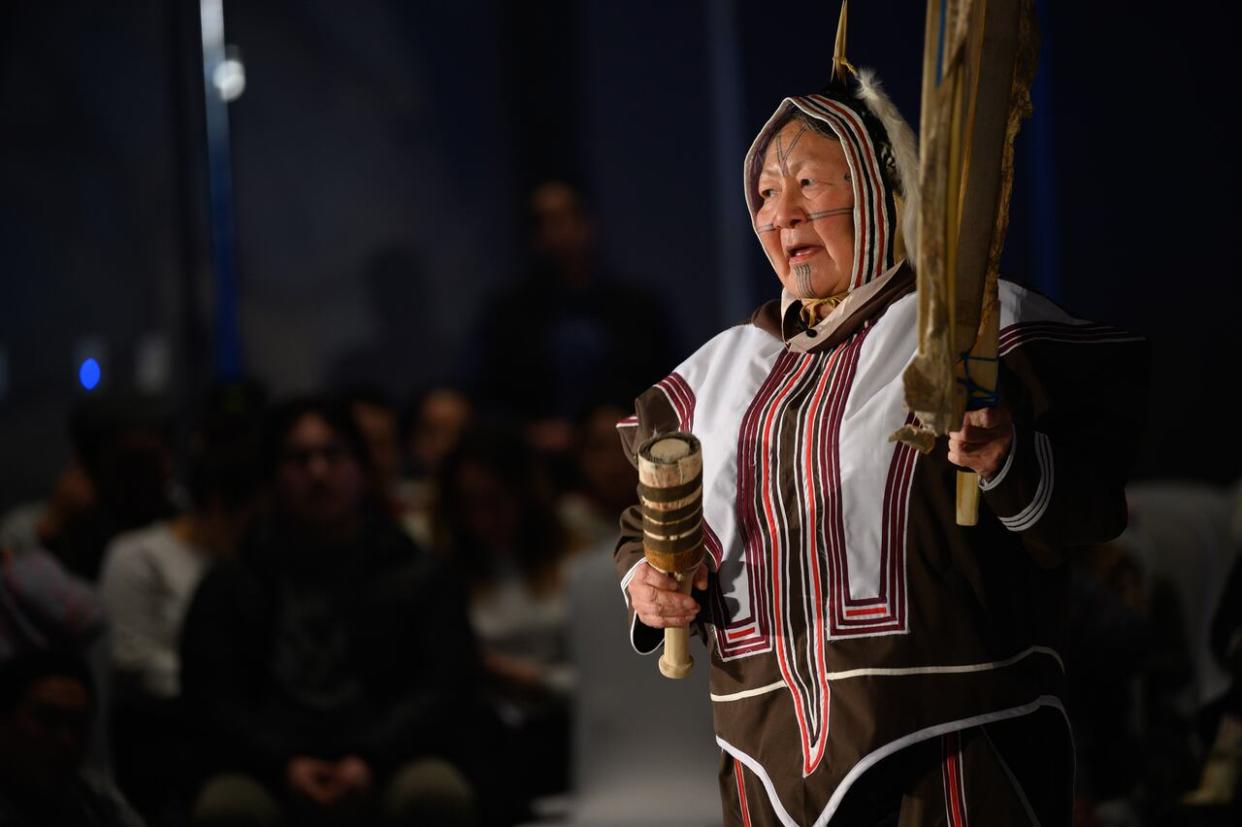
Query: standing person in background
x,y
329,668
570,335
149,577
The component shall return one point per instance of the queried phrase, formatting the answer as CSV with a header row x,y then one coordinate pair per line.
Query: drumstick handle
x,y
676,661
967,498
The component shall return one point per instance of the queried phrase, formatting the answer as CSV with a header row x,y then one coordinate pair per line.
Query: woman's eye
x,y
806,182
765,194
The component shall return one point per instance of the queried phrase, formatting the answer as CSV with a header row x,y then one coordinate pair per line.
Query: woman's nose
x,y
789,211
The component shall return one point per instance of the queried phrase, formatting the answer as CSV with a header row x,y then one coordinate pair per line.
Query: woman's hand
x,y
658,601
984,441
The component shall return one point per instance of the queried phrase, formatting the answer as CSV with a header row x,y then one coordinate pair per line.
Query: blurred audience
x,y
43,606
361,617
402,322
1220,784
376,416
497,521
569,336
120,478
36,524
47,702
1126,663
148,580
432,428
328,668
1145,695
605,482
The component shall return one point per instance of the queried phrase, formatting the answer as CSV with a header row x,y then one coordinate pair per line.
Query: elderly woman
x,y
872,662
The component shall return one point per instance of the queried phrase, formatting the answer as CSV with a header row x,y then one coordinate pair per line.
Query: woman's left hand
x,y
983,442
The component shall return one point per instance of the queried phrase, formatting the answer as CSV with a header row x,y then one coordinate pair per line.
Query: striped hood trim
x,y
877,235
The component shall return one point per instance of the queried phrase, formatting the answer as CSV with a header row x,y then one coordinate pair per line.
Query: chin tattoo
x,y
802,281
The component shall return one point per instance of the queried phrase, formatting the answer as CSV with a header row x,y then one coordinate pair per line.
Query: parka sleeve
x,y
653,414
1079,409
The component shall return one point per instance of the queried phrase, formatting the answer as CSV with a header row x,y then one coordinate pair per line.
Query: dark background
x,y
383,150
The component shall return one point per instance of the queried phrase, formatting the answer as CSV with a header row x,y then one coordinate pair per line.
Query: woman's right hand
x,y
658,600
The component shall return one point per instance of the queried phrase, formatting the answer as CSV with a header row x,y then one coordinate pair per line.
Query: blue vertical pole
x,y
227,335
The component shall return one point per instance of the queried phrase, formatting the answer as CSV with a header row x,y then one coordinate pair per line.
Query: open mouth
x,y
801,252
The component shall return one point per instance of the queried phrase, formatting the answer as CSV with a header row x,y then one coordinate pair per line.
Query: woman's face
x,y
806,216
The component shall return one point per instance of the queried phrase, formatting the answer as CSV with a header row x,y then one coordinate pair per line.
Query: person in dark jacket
x,y
47,704
329,667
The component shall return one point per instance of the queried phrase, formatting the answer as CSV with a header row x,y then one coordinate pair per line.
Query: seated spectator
x,y
434,423
47,702
1221,781
377,420
148,579
120,478
328,667
496,521
43,606
606,482
1127,666
34,525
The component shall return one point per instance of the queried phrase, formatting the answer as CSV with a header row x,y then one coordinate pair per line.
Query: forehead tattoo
x,y
782,159
782,152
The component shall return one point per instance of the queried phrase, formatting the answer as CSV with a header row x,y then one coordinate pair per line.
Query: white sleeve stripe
x,y
988,485
1030,515
625,581
629,575
634,640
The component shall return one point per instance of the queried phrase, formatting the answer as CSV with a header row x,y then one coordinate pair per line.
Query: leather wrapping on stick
x,y
670,489
976,91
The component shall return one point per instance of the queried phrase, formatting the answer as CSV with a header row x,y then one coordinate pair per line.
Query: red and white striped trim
x,y
874,209
795,540
872,220
681,397
743,805
954,780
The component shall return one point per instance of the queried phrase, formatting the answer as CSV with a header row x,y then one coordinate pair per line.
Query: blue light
x,y
88,374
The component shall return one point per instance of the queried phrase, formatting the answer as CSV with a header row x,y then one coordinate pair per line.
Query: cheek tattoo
x,y
825,213
802,281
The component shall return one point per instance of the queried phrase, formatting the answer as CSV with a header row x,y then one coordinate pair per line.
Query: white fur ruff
x,y
905,152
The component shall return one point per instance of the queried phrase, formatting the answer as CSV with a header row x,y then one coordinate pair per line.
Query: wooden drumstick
x,y
670,477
